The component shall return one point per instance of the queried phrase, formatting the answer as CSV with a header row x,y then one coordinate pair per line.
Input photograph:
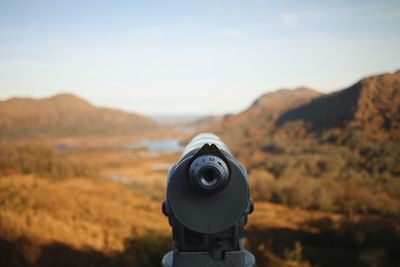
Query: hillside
x,y
370,105
69,223
326,190
65,115
258,120
343,148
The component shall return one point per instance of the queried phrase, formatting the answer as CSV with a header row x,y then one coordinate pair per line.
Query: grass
x,y
356,177
49,221
42,160
282,236
104,223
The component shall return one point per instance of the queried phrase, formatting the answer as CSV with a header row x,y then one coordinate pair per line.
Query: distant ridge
x,y
339,151
371,105
65,115
284,98
331,110
259,119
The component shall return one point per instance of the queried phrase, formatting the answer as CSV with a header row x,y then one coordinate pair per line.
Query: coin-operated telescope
x,y
207,205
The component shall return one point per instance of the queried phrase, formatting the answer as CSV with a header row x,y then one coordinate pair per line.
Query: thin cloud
x,y
232,33
289,19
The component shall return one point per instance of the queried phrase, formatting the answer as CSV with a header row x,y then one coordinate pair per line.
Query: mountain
x,y
371,105
65,115
259,119
338,152
283,98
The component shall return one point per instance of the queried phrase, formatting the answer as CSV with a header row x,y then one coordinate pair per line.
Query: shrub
x,y
40,160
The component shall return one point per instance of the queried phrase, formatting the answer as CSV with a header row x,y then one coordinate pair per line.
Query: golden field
x,y
111,215
323,170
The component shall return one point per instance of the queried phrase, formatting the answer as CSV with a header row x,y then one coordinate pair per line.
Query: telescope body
x,y
207,204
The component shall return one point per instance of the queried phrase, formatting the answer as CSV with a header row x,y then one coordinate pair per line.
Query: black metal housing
x,y
207,205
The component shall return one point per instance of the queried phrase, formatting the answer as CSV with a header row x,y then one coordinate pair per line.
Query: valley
x,y
83,186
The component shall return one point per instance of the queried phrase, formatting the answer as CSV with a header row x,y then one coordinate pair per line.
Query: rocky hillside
x,y
337,152
371,105
258,121
65,115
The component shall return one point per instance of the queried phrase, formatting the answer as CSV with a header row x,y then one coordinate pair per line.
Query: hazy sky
x,y
191,57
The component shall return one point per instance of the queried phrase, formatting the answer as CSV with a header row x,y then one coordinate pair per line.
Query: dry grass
x,y
109,222
282,236
43,160
361,177
81,213
100,222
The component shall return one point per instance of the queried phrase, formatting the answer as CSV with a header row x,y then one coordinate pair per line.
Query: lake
x,y
171,145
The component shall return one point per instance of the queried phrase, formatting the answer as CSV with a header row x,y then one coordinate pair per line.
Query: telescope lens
x,y
209,173
208,176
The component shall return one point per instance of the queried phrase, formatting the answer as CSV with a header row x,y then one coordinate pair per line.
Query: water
x,y
63,148
119,178
172,145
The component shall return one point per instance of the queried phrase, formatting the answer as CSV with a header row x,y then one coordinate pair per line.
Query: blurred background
x,y
98,99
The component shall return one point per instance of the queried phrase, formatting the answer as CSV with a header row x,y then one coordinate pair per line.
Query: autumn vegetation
x,y
338,152
42,160
323,169
360,176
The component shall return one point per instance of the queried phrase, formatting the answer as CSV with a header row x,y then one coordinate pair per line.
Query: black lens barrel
x,y
209,173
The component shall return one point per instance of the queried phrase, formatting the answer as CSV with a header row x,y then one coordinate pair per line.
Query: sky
x,y
191,57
